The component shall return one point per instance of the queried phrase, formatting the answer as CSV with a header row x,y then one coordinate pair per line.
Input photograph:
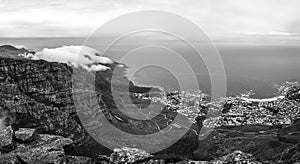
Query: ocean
x,y
248,67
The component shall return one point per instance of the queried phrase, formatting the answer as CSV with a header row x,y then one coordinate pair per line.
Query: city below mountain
x,y
55,104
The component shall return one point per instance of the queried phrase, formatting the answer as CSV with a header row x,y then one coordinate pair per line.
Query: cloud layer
x,y
77,56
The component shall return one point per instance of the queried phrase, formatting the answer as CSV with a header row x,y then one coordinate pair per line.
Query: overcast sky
x,y
219,18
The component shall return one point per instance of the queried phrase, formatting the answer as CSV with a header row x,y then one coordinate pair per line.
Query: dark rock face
x,y
26,135
36,94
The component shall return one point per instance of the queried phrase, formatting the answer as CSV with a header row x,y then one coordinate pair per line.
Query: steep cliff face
x,y
37,94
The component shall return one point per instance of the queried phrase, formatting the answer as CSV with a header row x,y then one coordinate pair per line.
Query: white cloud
x,y
77,56
19,46
95,67
29,56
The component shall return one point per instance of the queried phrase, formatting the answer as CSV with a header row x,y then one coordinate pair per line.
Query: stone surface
x,y
129,155
42,148
6,139
26,134
236,157
78,160
47,148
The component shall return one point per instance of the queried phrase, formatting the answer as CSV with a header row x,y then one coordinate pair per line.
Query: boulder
x,y
6,139
26,135
129,155
34,148
46,149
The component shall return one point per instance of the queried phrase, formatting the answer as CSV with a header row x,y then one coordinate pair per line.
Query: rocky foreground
x,y
39,122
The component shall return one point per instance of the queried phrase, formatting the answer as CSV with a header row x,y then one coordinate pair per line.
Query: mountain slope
x,y
39,94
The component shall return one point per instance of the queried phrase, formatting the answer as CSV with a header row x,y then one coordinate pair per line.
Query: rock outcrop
x,y
42,148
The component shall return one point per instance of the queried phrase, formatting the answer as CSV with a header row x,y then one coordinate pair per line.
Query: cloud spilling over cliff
x,y
77,56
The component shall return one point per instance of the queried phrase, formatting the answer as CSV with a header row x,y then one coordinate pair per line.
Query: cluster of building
x,y
190,104
231,110
245,112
